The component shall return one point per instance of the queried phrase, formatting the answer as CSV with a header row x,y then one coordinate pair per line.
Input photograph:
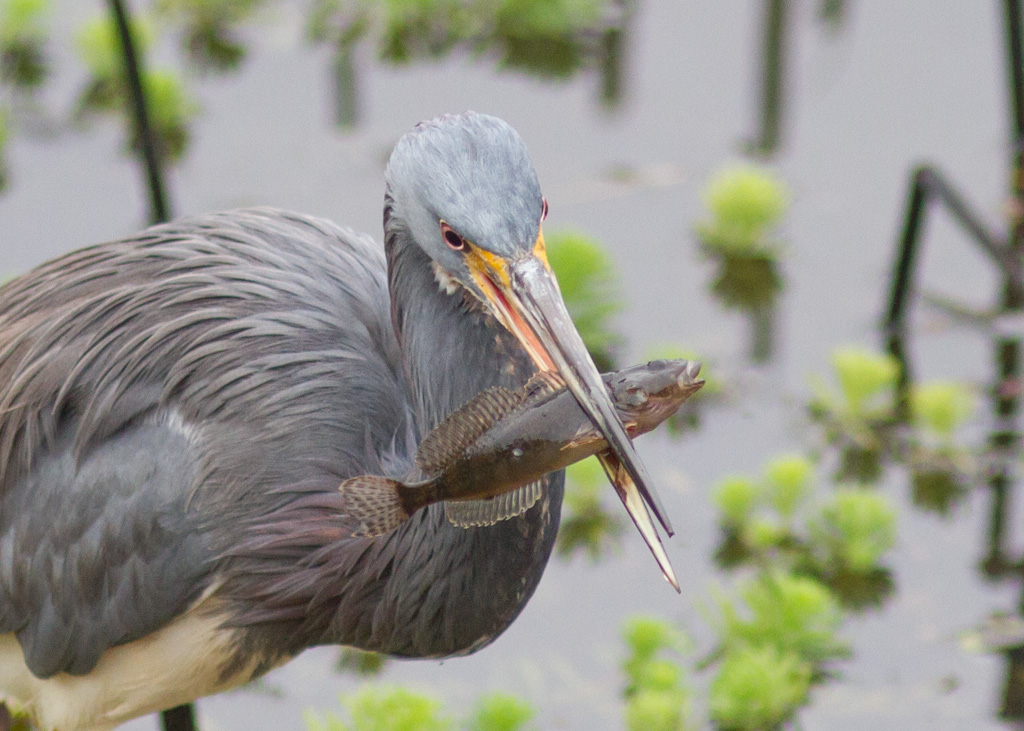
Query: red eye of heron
x,y
451,238
544,210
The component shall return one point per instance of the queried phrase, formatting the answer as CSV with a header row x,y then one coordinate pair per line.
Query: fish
x,y
499,445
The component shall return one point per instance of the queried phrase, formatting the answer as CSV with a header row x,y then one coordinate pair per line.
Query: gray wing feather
x,y
265,335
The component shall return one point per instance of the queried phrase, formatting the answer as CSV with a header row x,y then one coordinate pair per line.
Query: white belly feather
x,y
171,666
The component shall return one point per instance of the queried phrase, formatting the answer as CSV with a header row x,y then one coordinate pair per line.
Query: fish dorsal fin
x,y
476,513
542,386
450,439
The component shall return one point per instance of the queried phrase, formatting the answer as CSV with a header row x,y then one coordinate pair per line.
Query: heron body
x,y
179,408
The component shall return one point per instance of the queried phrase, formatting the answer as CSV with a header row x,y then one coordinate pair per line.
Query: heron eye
x,y
451,238
544,210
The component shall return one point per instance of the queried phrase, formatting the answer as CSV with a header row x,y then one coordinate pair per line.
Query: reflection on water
x,y
553,40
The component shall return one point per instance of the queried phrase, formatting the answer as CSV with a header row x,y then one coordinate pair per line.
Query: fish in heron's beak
x,y
525,296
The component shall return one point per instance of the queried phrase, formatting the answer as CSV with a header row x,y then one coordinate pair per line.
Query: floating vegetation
x,y
657,697
861,422
171,108
392,708
383,709
781,520
360,662
548,38
859,419
209,30
501,712
747,204
23,35
758,688
590,288
587,526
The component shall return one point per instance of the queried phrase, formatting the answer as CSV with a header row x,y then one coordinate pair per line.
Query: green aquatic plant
x,y
360,662
23,35
855,528
735,497
788,481
793,613
941,407
383,709
501,712
590,288
858,417
656,694
758,688
781,520
587,526
394,708
171,107
99,46
773,646
210,36
543,36
867,380
746,203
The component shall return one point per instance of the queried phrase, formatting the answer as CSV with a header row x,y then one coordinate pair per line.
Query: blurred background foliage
x,y
803,545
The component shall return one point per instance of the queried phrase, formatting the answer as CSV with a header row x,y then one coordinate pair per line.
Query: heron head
x,y
468,196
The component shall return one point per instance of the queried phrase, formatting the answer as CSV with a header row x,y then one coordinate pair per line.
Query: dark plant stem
x,y
927,183
179,718
159,210
773,75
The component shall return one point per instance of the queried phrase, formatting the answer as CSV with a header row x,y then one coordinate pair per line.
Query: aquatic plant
x,y
855,528
746,203
23,35
793,613
858,418
171,107
757,688
590,288
394,708
360,662
941,407
587,526
656,694
501,712
383,709
209,30
782,521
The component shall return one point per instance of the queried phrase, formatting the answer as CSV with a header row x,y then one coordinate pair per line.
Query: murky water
x,y
897,84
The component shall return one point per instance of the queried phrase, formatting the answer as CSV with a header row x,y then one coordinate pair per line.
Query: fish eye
x,y
454,241
517,452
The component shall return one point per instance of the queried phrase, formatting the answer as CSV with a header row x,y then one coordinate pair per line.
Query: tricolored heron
x,y
178,409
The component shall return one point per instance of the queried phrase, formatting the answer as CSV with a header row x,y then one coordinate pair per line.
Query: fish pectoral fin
x,y
450,439
476,513
375,502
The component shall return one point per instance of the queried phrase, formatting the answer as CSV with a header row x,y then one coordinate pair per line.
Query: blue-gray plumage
x,y
179,408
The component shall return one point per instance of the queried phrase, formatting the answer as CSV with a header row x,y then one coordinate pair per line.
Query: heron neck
x,y
451,348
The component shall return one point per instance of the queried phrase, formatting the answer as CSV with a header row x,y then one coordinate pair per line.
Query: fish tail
x,y
375,502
